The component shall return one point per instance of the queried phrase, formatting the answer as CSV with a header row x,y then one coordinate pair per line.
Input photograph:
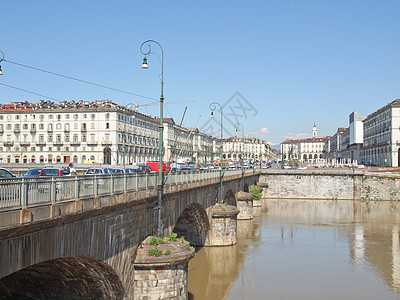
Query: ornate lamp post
x,y
254,163
237,127
213,106
160,151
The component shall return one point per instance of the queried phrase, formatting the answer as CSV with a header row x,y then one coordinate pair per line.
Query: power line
x,y
33,93
79,80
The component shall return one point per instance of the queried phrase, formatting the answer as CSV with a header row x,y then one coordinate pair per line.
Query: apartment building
x,y
309,149
381,145
250,148
99,131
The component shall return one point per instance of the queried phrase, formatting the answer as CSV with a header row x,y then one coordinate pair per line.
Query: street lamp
x,y
254,161
1,59
161,127
213,107
237,127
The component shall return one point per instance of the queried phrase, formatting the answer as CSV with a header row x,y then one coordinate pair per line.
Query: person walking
x,y
72,171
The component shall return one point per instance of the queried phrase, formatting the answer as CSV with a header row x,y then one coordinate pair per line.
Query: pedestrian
x,y
72,170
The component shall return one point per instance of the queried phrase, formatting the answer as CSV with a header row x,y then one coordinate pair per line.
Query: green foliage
x,y
256,193
182,238
188,246
153,241
226,204
155,252
173,237
167,252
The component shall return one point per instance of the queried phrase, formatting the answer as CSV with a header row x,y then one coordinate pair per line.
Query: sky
x,y
276,67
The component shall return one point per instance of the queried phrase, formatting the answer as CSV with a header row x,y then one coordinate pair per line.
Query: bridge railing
x,y
29,192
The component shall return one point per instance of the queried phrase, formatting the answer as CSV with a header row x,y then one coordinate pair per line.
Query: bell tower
x,y
314,131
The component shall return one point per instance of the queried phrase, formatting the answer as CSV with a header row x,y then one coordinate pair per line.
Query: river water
x,y
305,249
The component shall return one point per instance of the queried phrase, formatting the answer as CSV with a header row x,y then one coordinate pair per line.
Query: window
x,y
75,138
25,126
58,117
85,116
58,126
67,116
66,138
16,117
41,139
50,138
50,116
83,137
75,116
41,126
8,126
50,127
58,138
93,116
107,125
107,116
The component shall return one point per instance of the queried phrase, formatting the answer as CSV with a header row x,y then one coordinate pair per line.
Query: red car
x,y
154,166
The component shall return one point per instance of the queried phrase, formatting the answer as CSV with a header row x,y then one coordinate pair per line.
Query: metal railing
x,y
21,193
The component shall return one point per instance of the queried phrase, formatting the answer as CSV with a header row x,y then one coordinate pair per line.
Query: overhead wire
x,y
29,92
80,80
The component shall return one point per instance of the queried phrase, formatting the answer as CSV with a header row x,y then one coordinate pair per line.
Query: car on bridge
x,y
99,171
4,173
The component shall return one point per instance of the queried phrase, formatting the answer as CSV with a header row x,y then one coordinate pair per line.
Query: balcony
x,y
41,143
17,130
92,143
75,143
58,143
83,130
106,143
24,144
33,130
8,143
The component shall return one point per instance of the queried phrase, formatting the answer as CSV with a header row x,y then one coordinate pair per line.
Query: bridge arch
x,y
64,278
193,224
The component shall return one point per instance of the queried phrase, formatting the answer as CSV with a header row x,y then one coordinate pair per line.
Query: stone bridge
x,y
86,247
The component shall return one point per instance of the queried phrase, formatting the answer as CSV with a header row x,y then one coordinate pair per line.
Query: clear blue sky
x,y
295,62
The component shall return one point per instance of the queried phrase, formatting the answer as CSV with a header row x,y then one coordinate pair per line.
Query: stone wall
x,y
331,186
383,187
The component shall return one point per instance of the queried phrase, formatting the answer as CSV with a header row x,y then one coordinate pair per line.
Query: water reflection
x,y
298,249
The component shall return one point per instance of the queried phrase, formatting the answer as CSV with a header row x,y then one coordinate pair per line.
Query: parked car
x,y
154,166
4,173
187,168
119,170
144,168
32,173
131,170
57,172
99,171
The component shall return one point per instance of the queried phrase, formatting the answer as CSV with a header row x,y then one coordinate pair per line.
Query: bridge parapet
x,y
24,201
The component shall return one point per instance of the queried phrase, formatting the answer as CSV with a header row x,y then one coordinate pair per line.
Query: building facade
x,y
91,132
250,148
304,150
381,145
